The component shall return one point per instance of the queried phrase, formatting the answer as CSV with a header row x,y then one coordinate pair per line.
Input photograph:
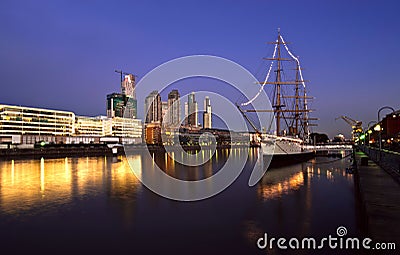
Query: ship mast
x,y
298,112
278,105
305,118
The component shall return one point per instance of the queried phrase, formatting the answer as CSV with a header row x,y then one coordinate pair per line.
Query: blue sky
x,y
62,54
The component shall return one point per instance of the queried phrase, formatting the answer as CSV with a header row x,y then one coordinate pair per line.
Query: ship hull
x,y
285,150
291,159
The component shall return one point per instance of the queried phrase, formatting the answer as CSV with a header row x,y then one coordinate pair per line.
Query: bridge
x,y
330,147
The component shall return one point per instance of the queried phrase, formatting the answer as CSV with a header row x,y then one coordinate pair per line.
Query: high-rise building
x,y
164,110
128,86
207,113
191,111
115,105
153,107
186,114
128,90
124,104
119,105
174,106
130,110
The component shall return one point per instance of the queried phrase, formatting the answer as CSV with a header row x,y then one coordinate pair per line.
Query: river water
x,y
96,205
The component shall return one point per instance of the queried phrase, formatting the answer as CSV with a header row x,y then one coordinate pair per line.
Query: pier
x,y
330,150
380,199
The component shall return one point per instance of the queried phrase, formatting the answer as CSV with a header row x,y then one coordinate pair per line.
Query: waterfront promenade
x,y
380,198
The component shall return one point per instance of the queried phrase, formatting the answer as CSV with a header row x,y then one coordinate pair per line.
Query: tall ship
x,y
289,138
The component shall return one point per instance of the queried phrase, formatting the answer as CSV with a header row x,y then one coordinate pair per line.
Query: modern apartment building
x,y
29,125
38,121
207,123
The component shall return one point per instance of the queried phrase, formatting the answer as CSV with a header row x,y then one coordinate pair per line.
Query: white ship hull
x,y
282,146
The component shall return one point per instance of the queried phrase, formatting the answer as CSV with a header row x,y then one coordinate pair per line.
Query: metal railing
x,y
388,160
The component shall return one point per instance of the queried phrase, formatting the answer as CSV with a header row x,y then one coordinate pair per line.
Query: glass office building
x,y
36,121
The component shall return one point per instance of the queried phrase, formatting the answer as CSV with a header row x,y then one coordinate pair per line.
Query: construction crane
x,y
355,125
122,73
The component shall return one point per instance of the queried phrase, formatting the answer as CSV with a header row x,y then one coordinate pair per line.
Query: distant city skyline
x,y
348,49
169,112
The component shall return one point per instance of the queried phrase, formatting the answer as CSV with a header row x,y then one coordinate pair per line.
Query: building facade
x,y
391,125
28,125
128,86
115,105
153,133
28,120
191,111
207,123
125,127
93,126
164,111
153,107
174,109
130,110
120,105
128,90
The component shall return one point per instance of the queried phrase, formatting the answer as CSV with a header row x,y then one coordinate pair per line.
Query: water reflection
x,y
29,184
111,206
35,186
285,180
298,200
271,189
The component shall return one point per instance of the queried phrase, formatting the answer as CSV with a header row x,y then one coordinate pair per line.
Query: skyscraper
x,y
115,105
123,104
186,114
153,107
191,114
128,90
128,86
119,105
130,108
164,109
174,108
207,113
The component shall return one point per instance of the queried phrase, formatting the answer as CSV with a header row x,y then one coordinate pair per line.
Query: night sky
x,y
62,54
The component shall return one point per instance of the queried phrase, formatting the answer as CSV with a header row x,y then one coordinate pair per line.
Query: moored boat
x,y
287,140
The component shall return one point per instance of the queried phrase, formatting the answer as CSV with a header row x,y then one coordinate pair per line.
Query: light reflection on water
x,y
38,185
108,202
276,190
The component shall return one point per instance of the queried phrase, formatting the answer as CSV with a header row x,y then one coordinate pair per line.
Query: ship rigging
x,y
289,105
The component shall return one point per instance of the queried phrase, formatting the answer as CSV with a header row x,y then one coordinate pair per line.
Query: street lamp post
x,y
369,132
380,131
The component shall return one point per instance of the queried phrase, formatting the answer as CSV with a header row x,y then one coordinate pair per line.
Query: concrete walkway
x,y
380,196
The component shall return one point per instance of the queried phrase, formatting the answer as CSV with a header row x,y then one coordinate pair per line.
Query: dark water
x,y
97,206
